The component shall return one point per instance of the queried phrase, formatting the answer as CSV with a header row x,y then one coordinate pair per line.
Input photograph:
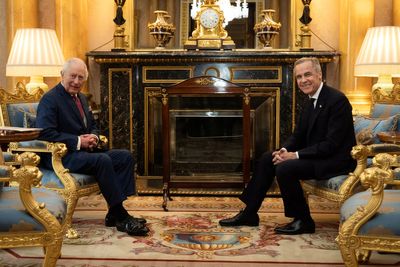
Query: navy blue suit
x,y
323,138
60,119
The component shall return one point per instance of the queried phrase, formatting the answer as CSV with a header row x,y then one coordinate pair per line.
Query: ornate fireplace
x,y
206,134
206,130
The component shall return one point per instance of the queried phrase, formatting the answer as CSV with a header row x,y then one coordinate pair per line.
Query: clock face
x,y
209,18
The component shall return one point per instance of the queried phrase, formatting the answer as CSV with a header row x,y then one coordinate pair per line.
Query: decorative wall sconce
x,y
119,33
35,52
267,28
379,56
161,30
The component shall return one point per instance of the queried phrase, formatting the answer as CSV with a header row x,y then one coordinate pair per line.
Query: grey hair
x,y
71,61
314,61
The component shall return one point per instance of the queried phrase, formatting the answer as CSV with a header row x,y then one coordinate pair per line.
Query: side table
x,y
16,134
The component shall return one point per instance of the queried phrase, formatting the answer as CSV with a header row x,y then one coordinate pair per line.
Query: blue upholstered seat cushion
x,y
333,183
385,111
16,112
14,217
386,220
51,180
374,126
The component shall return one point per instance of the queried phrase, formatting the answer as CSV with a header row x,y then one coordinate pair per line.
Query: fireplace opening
x,y
206,138
205,141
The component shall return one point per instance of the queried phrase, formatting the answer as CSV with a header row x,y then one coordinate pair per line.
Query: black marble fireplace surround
x,y
130,89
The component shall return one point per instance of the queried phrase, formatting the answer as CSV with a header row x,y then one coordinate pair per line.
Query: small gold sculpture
x,y
161,30
305,35
119,33
267,28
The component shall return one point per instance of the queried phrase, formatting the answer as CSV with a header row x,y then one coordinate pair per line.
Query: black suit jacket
x,y
60,119
326,134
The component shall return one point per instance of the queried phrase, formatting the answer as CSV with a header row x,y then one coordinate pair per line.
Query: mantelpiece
x,y
130,89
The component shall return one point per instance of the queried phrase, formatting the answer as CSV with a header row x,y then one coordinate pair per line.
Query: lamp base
x,y
36,83
384,83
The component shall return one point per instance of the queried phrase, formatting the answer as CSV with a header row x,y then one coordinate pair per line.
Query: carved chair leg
x,y
72,200
363,255
349,256
52,253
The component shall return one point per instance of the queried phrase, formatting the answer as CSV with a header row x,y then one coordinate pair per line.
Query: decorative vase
x,y
267,28
161,30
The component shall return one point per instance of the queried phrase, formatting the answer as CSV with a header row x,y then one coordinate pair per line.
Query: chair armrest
x,y
28,177
361,153
103,142
37,146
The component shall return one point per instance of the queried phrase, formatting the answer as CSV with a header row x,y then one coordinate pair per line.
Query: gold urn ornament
x,y
161,30
267,28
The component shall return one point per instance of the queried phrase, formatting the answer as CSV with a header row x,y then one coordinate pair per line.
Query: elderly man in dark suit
x,y
319,148
66,117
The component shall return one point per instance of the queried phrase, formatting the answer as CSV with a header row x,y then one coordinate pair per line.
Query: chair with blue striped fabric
x,y
370,219
30,216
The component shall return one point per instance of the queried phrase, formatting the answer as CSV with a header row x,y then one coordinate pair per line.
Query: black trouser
x,y
288,174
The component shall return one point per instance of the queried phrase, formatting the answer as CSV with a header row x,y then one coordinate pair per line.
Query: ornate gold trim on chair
x,y
52,236
356,245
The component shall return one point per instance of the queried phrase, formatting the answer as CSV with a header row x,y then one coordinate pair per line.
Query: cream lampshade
x,y
36,53
379,56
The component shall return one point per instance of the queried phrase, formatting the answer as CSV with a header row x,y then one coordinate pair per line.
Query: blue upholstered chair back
x,y
385,110
20,114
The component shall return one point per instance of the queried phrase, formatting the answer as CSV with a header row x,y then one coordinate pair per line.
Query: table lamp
x,y
379,56
35,52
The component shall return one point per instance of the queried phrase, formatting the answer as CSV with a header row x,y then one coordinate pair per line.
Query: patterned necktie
x,y
79,105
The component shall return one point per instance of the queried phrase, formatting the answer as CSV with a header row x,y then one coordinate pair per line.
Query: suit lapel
x,y
73,106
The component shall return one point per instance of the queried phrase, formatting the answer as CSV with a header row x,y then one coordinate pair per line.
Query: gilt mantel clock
x,y
209,32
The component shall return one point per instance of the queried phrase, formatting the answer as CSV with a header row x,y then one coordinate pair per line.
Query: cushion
x,y
385,110
29,120
51,180
366,126
16,113
386,220
13,216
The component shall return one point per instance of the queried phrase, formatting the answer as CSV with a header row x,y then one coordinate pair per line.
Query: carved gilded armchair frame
x,y
27,176
355,246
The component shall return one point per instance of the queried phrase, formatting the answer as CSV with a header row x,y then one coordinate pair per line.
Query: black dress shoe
x,y
297,227
110,220
241,219
131,226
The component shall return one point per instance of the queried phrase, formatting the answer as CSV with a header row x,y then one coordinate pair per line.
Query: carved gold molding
x,y
134,59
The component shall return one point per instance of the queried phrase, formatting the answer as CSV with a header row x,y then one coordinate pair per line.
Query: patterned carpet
x,y
189,235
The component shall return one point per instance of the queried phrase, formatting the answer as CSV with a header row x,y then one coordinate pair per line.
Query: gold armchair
x,y
19,109
30,216
370,219
384,116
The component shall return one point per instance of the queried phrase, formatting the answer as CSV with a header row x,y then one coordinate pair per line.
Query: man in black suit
x,y
319,148
65,116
